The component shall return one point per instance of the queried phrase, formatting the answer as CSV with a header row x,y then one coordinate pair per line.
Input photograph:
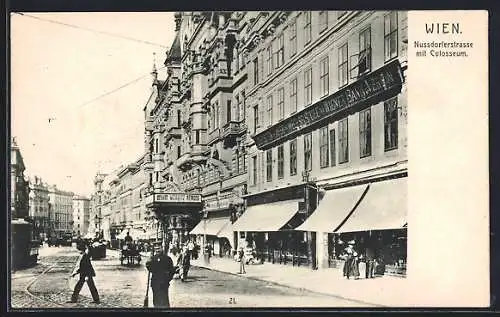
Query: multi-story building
x,y
326,107
60,211
39,207
81,214
117,203
19,186
23,242
196,131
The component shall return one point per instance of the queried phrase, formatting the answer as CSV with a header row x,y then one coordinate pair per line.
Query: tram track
x,y
58,298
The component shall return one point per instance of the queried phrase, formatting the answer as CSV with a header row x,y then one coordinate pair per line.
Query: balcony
x,y
233,128
198,150
213,136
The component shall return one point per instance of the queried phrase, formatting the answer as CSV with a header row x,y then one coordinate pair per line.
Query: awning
x,y
210,226
383,207
227,232
266,217
333,209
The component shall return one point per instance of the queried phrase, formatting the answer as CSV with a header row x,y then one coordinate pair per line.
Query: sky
x,y
57,69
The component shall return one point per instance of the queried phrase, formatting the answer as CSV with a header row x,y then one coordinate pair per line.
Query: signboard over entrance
x,y
177,198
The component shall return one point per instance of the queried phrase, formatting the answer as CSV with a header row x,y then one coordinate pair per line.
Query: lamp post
x,y
309,235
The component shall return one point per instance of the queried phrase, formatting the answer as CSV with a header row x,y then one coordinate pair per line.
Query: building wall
x,y
325,42
61,209
39,206
19,186
81,214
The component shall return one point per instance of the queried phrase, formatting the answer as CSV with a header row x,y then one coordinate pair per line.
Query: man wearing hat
x,y
86,271
162,271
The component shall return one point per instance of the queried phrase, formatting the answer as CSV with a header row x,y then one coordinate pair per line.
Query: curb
x,y
292,287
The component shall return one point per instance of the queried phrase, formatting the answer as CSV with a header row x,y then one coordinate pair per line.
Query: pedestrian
x,y
86,271
351,265
162,271
370,262
241,258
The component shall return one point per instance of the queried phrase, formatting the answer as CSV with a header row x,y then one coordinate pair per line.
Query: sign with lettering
x,y
366,90
177,198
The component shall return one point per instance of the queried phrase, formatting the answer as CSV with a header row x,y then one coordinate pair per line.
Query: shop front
x,y
267,225
211,230
177,214
370,216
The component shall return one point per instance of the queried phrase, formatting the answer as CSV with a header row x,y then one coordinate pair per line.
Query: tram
x,y
24,245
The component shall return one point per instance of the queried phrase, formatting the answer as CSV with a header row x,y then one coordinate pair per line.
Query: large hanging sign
x,y
177,198
374,87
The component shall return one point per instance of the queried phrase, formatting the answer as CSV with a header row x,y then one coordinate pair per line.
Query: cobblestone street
x,y
48,285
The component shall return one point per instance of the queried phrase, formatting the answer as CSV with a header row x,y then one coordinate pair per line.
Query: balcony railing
x,y
213,136
233,128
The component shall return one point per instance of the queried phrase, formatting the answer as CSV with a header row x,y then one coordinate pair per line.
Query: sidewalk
x,y
381,291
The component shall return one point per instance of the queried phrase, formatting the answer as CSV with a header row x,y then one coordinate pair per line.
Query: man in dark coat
x,y
162,271
370,261
86,271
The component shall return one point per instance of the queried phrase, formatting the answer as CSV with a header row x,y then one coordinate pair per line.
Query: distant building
x,y
19,186
39,207
60,210
81,214
23,241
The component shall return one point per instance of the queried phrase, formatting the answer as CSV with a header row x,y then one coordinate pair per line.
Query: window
x,y
228,111
280,53
293,95
197,137
256,71
156,145
293,38
365,56
293,157
270,109
323,20
255,119
281,162
238,108
365,133
179,118
323,147
333,156
343,141
391,35
307,27
343,65
281,103
324,75
308,86
269,165
178,151
244,105
308,151
150,179
269,61
391,124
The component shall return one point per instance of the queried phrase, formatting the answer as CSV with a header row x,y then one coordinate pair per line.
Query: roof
x,y
174,55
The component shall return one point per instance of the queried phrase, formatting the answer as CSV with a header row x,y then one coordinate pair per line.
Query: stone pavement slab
x,y
386,291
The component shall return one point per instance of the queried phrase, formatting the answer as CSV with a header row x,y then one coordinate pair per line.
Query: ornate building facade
x,y
60,211
39,207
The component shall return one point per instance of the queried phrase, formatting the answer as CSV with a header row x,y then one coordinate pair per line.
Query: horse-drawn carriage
x,y
130,255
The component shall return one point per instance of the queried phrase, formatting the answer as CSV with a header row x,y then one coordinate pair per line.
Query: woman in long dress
x,y
351,265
